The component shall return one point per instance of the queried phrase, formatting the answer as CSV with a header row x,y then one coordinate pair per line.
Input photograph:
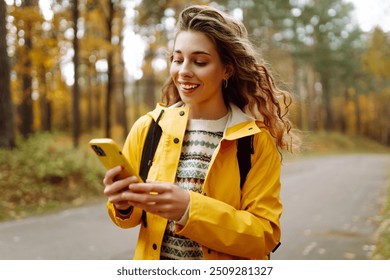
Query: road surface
x,y
331,211
332,206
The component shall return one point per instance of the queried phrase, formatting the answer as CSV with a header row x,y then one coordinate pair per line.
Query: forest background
x,y
338,74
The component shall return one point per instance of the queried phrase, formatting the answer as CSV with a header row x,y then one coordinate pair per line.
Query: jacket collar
x,y
238,124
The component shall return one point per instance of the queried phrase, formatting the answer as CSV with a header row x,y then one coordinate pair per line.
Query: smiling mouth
x,y
188,86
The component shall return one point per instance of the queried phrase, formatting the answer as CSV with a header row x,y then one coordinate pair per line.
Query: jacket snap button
x,y
176,140
154,246
181,113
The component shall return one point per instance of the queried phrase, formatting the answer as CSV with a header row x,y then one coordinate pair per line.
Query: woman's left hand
x,y
161,198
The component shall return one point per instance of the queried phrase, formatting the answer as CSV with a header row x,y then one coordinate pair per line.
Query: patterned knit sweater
x,y
200,140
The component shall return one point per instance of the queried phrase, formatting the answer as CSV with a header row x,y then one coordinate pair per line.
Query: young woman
x,y
192,206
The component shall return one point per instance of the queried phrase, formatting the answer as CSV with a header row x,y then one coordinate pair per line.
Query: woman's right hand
x,y
114,188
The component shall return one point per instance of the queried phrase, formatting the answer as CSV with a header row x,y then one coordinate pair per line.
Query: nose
x,y
185,70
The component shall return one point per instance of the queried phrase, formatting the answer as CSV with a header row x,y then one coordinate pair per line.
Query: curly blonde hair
x,y
251,87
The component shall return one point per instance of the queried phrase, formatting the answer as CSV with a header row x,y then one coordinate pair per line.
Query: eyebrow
x,y
195,52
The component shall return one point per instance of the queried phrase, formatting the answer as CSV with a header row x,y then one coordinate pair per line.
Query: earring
x,y
225,83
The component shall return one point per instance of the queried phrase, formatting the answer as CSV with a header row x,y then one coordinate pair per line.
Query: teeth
x,y
188,86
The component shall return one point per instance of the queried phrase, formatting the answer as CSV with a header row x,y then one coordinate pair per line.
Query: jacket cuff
x,y
125,213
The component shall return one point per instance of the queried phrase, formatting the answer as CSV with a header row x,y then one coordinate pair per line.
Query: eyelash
x,y
178,61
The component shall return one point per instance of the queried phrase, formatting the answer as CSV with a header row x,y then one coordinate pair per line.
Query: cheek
x,y
211,76
213,72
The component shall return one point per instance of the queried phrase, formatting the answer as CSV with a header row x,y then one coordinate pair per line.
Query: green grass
x,y
45,173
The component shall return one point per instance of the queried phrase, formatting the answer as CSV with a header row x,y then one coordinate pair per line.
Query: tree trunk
x,y
136,100
26,106
327,101
108,99
358,113
344,124
7,138
110,72
44,103
76,93
90,92
149,80
298,92
122,108
311,99
98,103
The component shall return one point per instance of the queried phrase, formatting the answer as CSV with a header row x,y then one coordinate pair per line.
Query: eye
x,y
177,61
200,63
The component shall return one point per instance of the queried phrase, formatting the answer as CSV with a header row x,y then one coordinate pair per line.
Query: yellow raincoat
x,y
228,222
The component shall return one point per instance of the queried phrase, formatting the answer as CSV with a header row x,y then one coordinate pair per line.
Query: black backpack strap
x,y
150,146
244,150
273,251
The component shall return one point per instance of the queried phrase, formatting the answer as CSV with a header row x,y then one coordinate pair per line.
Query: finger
x,y
119,198
139,199
150,188
122,205
110,175
116,199
119,185
164,210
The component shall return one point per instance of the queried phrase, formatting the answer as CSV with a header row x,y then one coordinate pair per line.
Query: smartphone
x,y
111,156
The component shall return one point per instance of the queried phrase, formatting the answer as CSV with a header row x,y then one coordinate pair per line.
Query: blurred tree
x,y
113,14
351,76
323,28
266,21
35,104
377,57
93,52
377,64
109,17
150,15
7,138
29,17
103,42
44,61
311,46
76,93
119,73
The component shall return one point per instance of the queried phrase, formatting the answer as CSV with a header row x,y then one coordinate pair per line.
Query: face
x,y
198,72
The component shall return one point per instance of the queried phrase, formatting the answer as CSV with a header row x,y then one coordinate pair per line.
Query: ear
x,y
229,71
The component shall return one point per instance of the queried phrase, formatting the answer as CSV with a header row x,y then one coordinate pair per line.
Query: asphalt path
x,y
84,233
332,207
331,211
